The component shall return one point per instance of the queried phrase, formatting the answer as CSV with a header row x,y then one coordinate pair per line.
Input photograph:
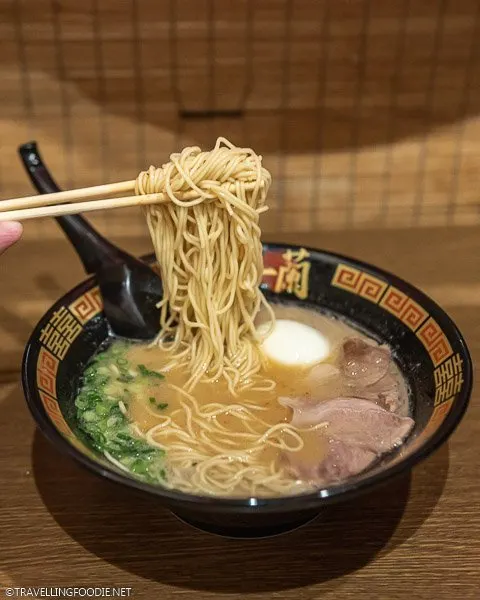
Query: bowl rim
x,y
305,501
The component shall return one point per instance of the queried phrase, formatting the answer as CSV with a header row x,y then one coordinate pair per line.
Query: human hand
x,y
10,232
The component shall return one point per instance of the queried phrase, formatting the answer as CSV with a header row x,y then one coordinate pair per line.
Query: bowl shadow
x,y
136,534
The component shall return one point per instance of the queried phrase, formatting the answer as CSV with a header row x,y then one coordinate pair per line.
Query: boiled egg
x,y
294,344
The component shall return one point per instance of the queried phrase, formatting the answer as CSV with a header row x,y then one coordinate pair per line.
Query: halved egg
x,y
294,344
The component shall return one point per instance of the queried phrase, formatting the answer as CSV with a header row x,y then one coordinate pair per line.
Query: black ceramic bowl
x,y
426,344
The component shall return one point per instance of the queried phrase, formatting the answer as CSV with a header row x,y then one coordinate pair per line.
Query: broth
x,y
135,410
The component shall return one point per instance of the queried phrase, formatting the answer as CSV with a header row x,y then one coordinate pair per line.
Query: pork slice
x,y
321,373
385,392
355,419
358,431
363,364
342,461
366,371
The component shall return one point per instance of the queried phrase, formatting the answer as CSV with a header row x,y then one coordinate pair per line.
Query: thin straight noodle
x,y
224,461
210,258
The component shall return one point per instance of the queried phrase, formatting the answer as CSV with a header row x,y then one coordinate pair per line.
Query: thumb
x,y
10,232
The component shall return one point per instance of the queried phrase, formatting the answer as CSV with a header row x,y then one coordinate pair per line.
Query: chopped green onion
x,y
149,373
100,417
126,378
89,416
159,405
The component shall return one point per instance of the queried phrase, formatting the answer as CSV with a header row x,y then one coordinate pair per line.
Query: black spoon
x,y
129,287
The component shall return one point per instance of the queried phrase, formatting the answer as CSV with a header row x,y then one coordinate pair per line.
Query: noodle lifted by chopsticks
x,y
210,257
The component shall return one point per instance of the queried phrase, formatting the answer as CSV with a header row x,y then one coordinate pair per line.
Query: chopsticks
x,y
32,207
96,191
79,207
65,203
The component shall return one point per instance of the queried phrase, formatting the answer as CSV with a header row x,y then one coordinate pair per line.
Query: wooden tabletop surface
x,y
419,537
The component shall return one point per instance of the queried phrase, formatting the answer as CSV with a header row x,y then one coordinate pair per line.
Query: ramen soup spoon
x,y
130,288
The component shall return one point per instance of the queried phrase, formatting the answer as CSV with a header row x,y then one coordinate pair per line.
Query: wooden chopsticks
x,y
79,207
96,191
88,199
70,202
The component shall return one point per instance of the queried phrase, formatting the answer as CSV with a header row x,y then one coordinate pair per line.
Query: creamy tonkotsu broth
x,y
317,426
336,330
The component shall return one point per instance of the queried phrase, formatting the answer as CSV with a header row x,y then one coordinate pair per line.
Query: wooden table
x,y
417,538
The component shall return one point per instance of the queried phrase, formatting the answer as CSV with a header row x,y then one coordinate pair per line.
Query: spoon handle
x,y
94,250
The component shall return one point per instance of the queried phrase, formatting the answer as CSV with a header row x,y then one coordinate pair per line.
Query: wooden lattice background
x,y
366,111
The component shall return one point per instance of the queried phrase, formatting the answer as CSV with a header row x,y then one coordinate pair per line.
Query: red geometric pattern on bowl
x,y
357,282
47,362
47,367
87,306
53,411
404,308
347,278
435,341
371,288
441,351
439,415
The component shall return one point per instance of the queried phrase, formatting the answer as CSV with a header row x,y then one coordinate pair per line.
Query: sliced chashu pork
x,y
356,432
365,368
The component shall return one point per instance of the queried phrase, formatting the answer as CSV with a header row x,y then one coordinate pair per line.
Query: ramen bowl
x,y
427,346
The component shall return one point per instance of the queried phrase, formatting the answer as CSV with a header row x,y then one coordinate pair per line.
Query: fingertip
x,y
14,228
10,232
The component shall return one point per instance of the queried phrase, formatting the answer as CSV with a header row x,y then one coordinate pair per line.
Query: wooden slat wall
x,y
366,111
